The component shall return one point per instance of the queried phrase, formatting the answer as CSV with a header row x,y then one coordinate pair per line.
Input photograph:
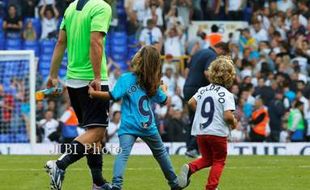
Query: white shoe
x,y
183,178
57,175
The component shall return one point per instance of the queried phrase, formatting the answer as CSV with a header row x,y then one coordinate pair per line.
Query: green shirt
x,y
79,21
295,120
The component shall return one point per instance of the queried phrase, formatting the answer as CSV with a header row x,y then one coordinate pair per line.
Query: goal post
x,y
18,70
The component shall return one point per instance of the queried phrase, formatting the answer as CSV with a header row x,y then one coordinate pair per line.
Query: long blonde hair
x,y
222,71
147,67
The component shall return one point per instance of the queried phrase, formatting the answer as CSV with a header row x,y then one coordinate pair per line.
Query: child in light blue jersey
x,y
139,90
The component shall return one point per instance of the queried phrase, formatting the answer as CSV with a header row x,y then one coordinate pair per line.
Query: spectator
x,y
28,8
276,112
6,107
154,12
114,126
169,80
133,26
197,10
296,125
214,37
51,106
69,123
113,76
296,27
197,43
259,122
174,125
173,19
303,6
151,35
237,134
211,9
12,24
184,9
308,31
284,5
46,2
49,21
39,110
259,33
62,5
233,9
49,126
246,40
29,33
301,98
174,42
139,8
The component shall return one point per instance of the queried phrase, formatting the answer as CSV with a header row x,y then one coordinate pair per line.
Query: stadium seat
x,y
44,73
45,57
47,46
6,138
44,64
119,41
21,138
132,40
2,35
59,22
64,64
62,72
32,45
119,49
123,65
2,41
119,57
13,44
118,34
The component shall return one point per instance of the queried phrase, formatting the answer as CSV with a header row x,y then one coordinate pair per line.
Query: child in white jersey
x,y
214,118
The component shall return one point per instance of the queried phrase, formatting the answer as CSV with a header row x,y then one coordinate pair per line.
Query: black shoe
x,y
176,188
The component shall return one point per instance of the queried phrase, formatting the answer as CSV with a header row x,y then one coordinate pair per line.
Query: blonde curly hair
x,y
222,71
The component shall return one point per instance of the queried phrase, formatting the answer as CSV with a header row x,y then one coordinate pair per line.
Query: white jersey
x,y
212,101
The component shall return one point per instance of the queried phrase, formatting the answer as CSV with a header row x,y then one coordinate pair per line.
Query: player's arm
x,y
100,22
230,119
192,103
58,54
96,50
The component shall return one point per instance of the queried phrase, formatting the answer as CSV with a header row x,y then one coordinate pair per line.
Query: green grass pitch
x,y
143,173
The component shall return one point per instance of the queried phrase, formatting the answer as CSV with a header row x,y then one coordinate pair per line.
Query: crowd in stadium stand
x,y
272,59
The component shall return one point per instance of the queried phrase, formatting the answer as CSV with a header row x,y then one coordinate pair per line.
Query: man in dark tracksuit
x,y
197,78
276,112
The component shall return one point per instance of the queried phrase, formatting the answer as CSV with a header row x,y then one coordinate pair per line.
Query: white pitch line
x,y
141,169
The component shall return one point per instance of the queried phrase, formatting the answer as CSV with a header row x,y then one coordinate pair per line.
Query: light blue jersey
x,y
137,114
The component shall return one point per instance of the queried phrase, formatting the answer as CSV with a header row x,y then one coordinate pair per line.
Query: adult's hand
x,y
96,84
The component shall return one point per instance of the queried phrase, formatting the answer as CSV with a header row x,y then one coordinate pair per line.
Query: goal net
x,y
17,99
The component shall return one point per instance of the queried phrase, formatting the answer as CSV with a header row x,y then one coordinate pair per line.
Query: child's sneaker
x,y
183,178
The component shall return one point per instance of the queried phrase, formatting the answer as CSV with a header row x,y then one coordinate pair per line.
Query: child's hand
x,y
163,86
91,91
